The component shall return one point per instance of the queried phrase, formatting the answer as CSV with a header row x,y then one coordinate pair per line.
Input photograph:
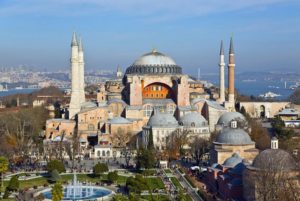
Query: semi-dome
x,y
227,117
162,120
274,159
193,119
233,137
154,63
233,160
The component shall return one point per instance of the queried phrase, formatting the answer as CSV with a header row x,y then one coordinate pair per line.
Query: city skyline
x,y
116,33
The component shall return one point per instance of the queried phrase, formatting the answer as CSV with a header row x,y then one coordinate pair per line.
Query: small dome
x,y
234,137
154,63
233,160
162,120
274,159
227,117
193,119
119,120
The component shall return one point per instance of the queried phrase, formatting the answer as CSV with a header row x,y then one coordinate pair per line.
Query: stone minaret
x,y
77,77
231,65
222,80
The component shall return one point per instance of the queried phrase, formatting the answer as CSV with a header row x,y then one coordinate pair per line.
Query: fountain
x,y
79,191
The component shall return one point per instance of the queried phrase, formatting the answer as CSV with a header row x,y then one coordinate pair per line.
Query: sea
x,y
245,87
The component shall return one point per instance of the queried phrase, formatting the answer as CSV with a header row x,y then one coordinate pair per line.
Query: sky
x,y
37,33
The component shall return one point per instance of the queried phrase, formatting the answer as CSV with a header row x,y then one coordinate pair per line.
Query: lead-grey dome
x,y
119,120
162,120
234,137
233,160
193,119
88,104
227,117
154,63
274,159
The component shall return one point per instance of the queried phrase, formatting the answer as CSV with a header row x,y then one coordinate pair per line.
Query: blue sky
x,y
38,32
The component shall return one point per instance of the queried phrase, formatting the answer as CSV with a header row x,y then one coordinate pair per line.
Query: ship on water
x,y
269,94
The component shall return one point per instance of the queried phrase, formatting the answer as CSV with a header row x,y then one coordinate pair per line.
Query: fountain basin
x,y
98,193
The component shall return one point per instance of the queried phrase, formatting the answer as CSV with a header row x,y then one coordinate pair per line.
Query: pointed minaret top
x,y
221,48
80,48
231,50
74,40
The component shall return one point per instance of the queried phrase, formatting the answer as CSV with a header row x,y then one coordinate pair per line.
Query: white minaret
x,y
77,77
222,79
81,72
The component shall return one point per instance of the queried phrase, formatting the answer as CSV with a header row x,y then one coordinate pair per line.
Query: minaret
x,y
119,72
231,65
77,77
81,72
222,79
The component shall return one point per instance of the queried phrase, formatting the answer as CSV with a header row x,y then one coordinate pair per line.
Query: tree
x,y
280,131
112,176
57,192
259,135
295,97
99,169
119,197
13,184
176,142
145,159
3,168
199,147
55,165
121,138
55,177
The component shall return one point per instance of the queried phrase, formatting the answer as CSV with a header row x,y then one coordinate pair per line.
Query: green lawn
x,y
168,171
176,183
155,183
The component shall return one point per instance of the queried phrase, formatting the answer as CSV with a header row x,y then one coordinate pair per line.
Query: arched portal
x,y
158,90
262,111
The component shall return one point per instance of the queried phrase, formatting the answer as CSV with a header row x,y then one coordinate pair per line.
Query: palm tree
x,y
3,168
57,192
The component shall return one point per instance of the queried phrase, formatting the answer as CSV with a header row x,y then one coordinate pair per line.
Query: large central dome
x,y
154,63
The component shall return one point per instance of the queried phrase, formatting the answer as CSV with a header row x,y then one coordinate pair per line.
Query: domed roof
x,y
154,63
274,159
193,119
234,137
88,104
227,117
119,120
162,120
233,160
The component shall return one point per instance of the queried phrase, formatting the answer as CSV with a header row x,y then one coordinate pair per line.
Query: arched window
x,y
192,124
98,153
103,153
170,109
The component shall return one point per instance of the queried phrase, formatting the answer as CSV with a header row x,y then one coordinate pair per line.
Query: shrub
x,y
56,164
112,176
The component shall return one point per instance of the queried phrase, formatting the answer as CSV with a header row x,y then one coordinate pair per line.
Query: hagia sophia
x,y
154,98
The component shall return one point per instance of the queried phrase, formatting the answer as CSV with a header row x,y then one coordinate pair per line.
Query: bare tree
x,y
121,138
176,143
199,146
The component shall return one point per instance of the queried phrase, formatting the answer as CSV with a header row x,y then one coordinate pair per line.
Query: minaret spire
x,y
231,66
222,79
74,39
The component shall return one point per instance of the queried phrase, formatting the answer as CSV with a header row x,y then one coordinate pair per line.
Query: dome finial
x,y
154,50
